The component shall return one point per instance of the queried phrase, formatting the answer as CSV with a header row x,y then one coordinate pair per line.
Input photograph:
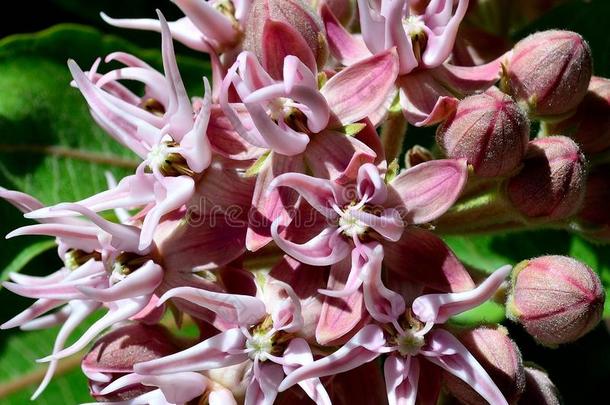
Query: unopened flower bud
x,y
499,356
590,125
550,71
539,389
551,183
490,130
416,155
115,353
594,217
557,299
278,28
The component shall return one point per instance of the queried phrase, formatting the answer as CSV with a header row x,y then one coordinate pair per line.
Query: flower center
x,y
260,345
75,258
169,163
414,26
410,342
281,108
125,264
350,225
158,155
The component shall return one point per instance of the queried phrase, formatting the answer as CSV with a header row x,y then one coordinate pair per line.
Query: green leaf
x,y
486,313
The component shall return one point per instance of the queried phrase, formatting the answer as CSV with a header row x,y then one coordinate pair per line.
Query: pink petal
x,y
327,248
429,189
372,26
242,310
23,202
423,257
38,308
209,21
212,353
335,156
298,354
463,365
401,379
363,88
182,29
279,40
360,349
321,194
438,308
267,204
345,47
79,311
122,311
178,388
143,281
341,316
195,146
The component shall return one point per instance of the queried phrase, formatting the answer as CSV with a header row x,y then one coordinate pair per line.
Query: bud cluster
x,y
271,212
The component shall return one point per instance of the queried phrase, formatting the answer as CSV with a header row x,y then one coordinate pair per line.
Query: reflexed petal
x,y
333,155
421,256
328,247
361,89
239,309
298,354
344,46
463,365
142,281
438,308
429,189
340,316
360,349
178,388
212,353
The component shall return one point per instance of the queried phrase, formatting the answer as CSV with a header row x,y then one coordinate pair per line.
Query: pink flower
x,y
103,266
171,144
429,87
263,334
415,338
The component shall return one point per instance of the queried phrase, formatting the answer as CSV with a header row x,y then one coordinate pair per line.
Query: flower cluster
x,y
272,214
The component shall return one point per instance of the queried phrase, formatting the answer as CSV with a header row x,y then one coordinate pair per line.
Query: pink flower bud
x,y
278,28
557,299
499,356
590,125
594,217
539,389
115,353
551,183
550,71
490,130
